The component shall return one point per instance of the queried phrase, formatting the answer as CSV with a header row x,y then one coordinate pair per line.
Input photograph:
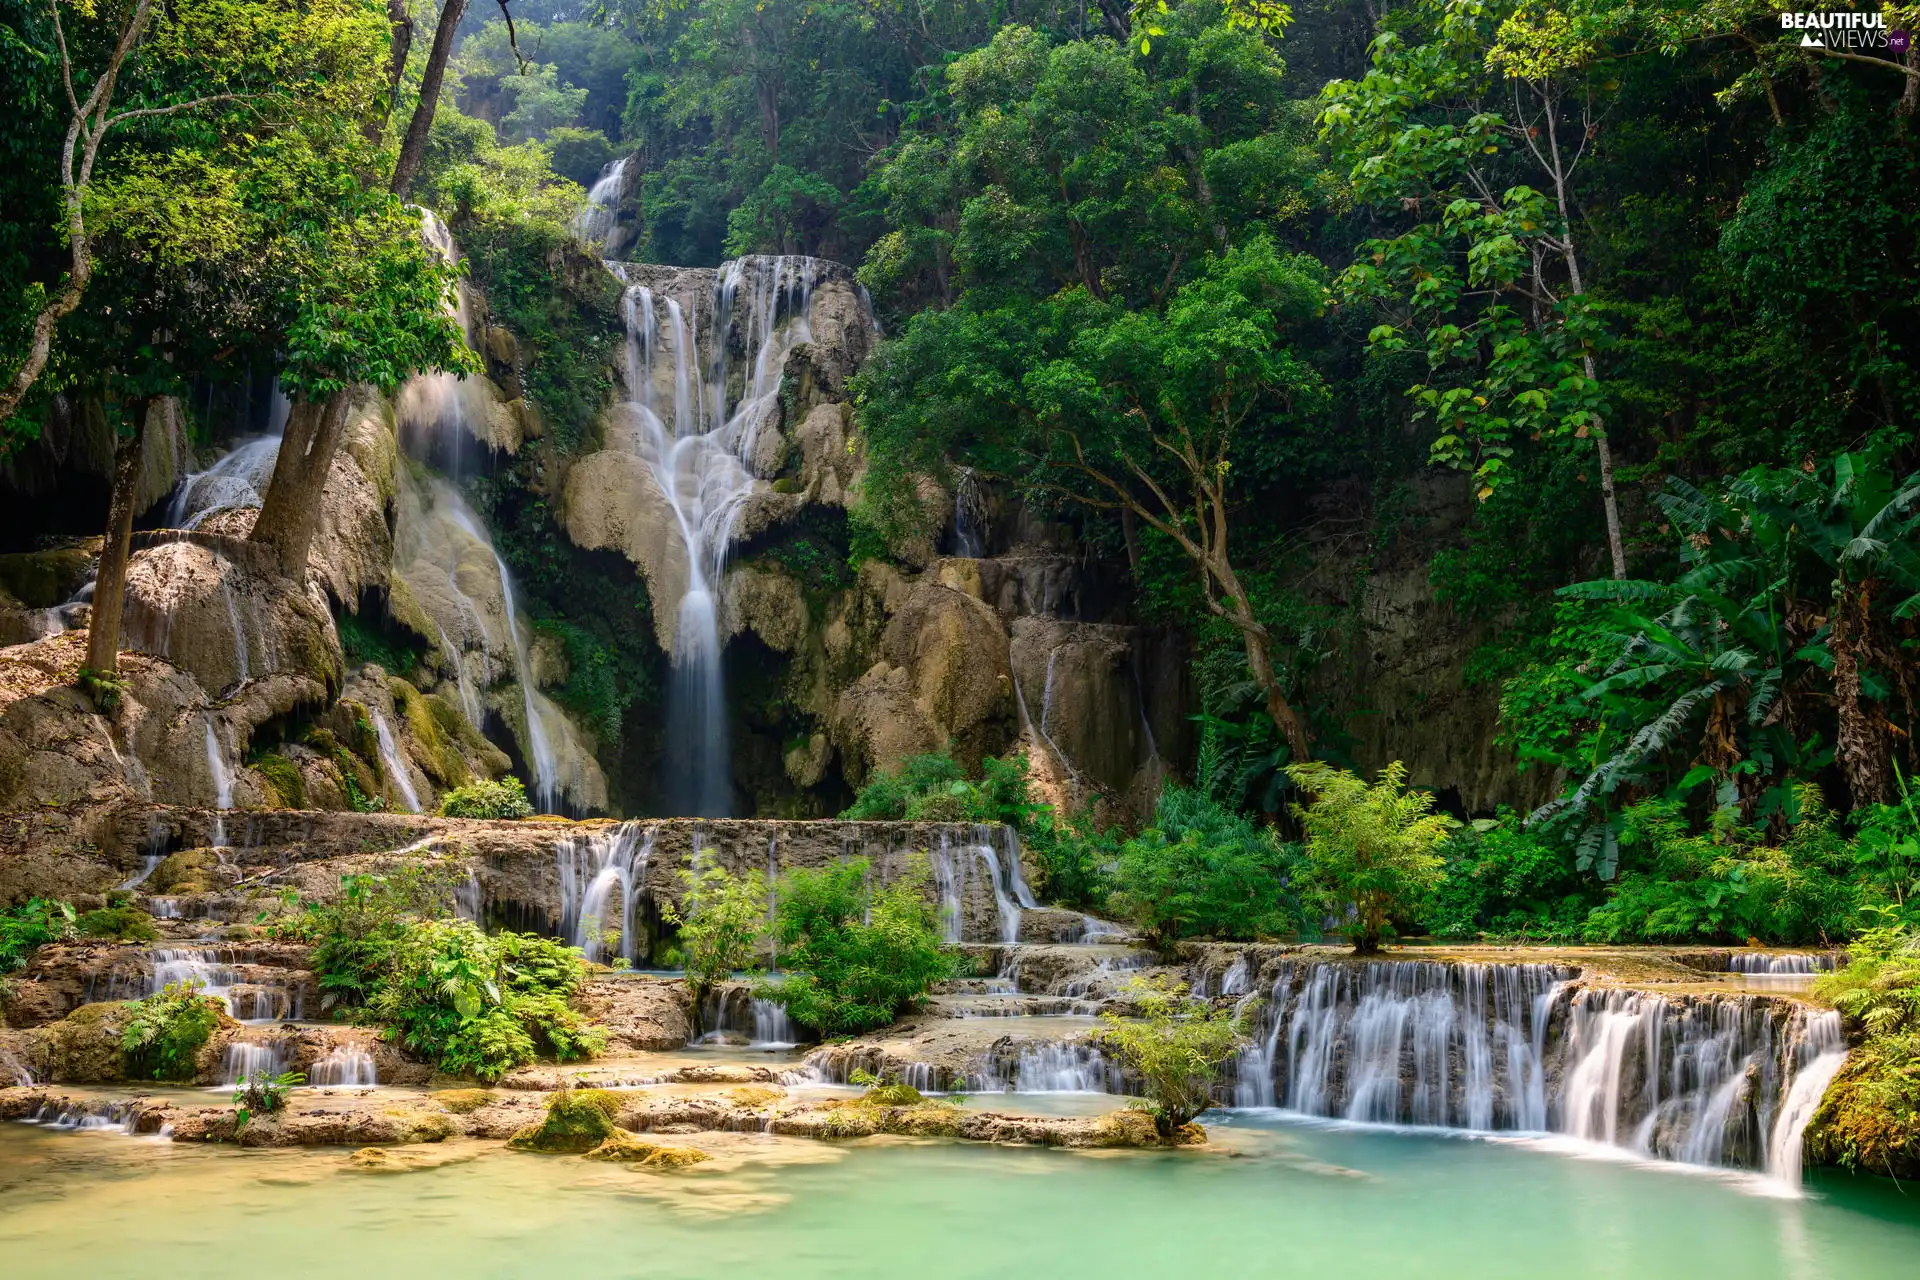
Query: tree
x,y
1488,279
1371,850
413,144
722,918
1138,413
89,122
1202,869
1175,1044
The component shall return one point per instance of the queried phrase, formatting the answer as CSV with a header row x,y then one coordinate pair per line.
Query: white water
x,y
592,867
1724,1082
345,1066
961,863
1767,964
254,1059
969,516
393,762
699,443
221,768
238,479
595,219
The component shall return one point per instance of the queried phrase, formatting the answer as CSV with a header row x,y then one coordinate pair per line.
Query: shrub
x,y
722,918
1177,1045
28,927
1503,881
1202,869
165,1032
506,798
1870,1118
1370,849
263,1095
859,956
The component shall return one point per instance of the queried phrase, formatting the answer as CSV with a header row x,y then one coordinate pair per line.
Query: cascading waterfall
x,y
220,767
238,479
969,516
541,757
392,761
1719,1081
345,1066
1764,964
594,222
699,441
954,863
592,866
250,1059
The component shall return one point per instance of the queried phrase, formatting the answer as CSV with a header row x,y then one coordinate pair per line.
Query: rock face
x,y
225,621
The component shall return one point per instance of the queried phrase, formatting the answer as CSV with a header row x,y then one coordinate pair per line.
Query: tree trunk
x,y
110,584
1254,636
413,147
399,44
290,512
1863,747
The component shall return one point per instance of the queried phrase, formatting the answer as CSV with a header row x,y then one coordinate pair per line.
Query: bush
x,y
1729,887
1177,1046
1203,870
506,798
1503,881
1870,1118
1370,849
28,927
165,1032
859,956
722,918
262,1095
471,1003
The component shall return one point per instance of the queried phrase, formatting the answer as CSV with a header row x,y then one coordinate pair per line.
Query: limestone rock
x,y
642,1014
226,622
771,605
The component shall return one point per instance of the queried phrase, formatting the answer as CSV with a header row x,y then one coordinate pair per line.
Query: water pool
x,y
1280,1199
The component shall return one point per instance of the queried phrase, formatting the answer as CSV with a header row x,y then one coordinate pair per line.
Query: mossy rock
x,y
443,763
188,871
754,1095
929,1120
851,1121
892,1094
417,1124
624,1148
1862,1124
461,1101
286,789
84,1046
577,1121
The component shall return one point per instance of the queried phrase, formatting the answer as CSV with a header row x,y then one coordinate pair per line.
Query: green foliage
x,y
1202,870
1728,887
1177,1045
859,954
722,918
363,642
31,925
1370,853
1870,1118
164,1032
262,1095
506,798
1504,882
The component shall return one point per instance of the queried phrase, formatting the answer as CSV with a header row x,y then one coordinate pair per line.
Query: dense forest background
x,y
1601,314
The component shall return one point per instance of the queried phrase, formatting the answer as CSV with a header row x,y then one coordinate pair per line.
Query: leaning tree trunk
x,y
110,584
1862,746
413,146
290,512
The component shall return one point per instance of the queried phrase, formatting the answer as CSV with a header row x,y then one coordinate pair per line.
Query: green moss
x,y
623,1148
119,920
444,765
461,1101
577,1120
1870,1118
288,787
506,798
362,642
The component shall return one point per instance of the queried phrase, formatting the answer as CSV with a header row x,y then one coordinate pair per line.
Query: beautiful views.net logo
x,y
1845,31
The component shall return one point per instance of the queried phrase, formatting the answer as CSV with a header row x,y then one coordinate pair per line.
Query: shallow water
x,y
1291,1200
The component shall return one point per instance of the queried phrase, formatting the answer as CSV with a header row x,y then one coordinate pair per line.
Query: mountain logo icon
x,y
1811,41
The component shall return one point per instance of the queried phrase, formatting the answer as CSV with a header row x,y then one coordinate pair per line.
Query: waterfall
x,y
219,766
591,866
700,443
254,1059
953,876
538,745
345,1066
594,222
393,763
238,479
1764,964
1719,1081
